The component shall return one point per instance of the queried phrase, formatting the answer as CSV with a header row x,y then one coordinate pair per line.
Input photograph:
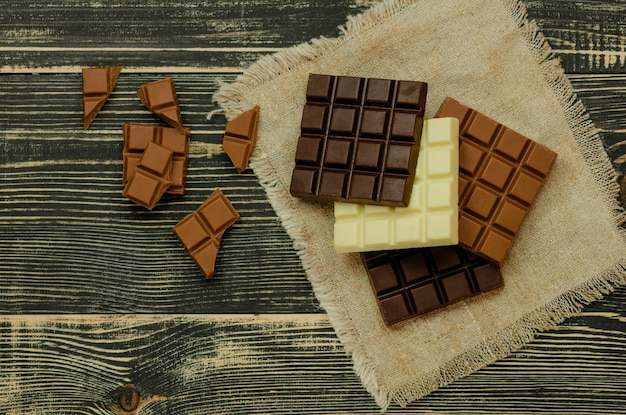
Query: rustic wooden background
x,y
96,293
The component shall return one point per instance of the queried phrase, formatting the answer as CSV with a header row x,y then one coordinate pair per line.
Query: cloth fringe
x,y
229,98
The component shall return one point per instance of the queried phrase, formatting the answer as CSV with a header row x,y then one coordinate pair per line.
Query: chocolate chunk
x,y
500,175
411,282
201,231
151,178
136,139
349,128
160,98
98,84
240,138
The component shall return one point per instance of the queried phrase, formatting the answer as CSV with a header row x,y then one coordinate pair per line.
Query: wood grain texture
x,y
280,364
61,208
183,35
96,293
604,97
588,36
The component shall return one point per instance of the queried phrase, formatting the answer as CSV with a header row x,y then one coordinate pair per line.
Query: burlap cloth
x,y
570,250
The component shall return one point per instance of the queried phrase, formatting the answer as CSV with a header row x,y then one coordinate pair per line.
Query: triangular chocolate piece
x,y
160,98
238,151
240,138
98,83
91,106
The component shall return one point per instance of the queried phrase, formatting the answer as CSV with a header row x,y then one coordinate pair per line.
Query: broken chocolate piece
x,y
240,138
201,231
160,98
98,83
152,176
136,139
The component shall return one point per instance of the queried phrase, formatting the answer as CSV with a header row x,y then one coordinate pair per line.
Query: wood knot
x,y
126,399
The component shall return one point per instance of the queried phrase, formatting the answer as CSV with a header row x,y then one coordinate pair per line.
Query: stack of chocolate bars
x,y
432,205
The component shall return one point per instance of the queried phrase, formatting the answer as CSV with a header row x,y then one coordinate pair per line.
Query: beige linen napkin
x,y
484,53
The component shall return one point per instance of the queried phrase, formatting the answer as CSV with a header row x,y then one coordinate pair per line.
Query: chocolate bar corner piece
x,y
240,138
411,282
151,178
500,175
201,231
98,84
348,127
160,98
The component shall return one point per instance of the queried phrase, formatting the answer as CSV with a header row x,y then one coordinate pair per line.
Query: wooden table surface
x,y
96,293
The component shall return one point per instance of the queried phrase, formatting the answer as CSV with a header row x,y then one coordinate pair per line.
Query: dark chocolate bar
x,y
136,139
359,140
410,282
500,175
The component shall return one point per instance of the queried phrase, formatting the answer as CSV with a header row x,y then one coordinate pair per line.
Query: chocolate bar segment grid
x,y
500,175
352,132
410,282
430,219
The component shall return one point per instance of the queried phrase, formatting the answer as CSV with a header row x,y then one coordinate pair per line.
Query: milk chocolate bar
x,y
201,231
500,175
411,282
98,83
160,98
240,138
359,140
151,178
430,219
136,139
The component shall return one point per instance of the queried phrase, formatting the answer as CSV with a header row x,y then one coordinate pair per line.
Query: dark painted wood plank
x,y
161,24
286,364
588,35
604,96
200,34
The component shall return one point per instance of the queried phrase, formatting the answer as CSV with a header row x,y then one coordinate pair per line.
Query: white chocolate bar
x,y
430,219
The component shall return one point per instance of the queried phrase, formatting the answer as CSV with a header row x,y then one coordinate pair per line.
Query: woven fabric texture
x,y
484,53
